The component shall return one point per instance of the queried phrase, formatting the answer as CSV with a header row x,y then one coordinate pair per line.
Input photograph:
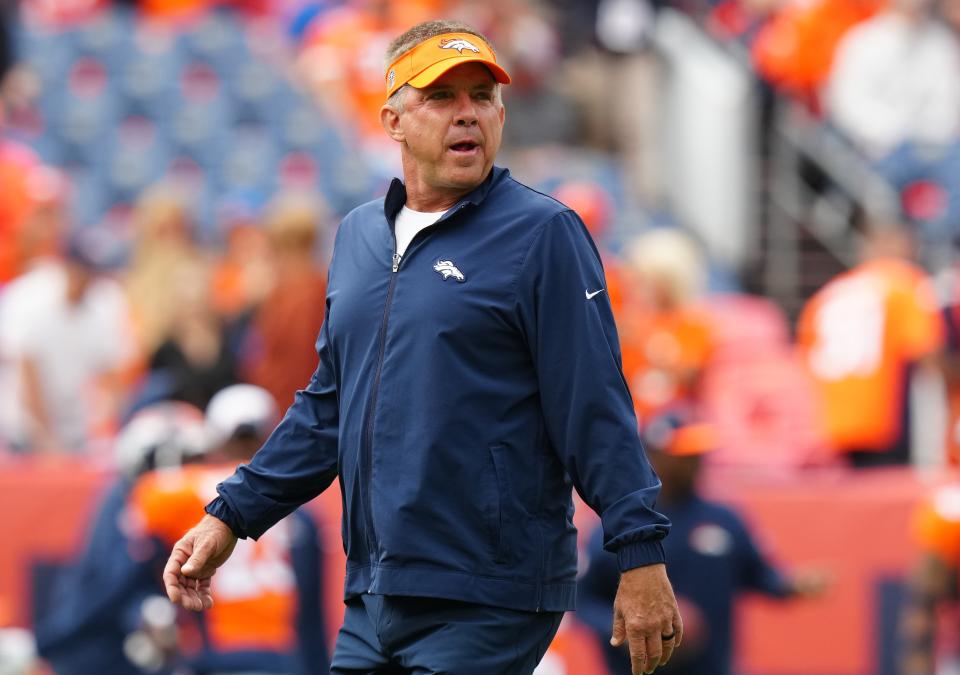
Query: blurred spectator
x,y
65,330
186,10
712,554
932,584
60,13
949,11
895,91
108,596
859,335
896,80
266,616
665,337
541,112
795,50
41,234
740,20
615,84
7,57
175,9
195,360
164,244
280,353
17,163
242,274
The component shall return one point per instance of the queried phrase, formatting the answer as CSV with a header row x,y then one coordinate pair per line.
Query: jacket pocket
x,y
497,495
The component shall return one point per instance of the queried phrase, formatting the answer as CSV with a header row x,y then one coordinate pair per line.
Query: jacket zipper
x,y
367,449
372,545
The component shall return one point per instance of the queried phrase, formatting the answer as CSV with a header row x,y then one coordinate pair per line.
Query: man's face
x,y
451,130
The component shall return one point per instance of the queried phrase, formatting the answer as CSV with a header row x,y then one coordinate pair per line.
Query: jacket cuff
x,y
219,509
640,554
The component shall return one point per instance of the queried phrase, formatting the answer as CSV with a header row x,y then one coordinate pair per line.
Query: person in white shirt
x,y
894,91
896,79
64,334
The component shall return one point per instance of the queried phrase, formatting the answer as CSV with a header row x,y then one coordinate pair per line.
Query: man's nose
x,y
466,112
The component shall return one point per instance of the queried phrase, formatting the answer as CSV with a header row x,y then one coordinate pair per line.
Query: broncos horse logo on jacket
x,y
459,44
448,269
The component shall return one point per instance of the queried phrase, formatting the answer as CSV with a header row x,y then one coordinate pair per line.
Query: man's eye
x,y
484,96
437,95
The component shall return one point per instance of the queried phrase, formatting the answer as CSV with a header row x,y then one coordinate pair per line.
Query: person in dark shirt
x,y
6,40
712,555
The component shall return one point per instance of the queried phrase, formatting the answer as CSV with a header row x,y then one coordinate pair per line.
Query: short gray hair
x,y
424,31
421,32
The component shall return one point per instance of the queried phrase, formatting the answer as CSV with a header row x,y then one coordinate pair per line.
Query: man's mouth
x,y
466,147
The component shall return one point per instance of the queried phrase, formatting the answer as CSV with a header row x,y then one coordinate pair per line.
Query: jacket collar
x,y
397,194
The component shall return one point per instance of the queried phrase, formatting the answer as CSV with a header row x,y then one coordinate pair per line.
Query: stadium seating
x,y
124,103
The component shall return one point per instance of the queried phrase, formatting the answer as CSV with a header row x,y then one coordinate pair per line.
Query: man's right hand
x,y
194,560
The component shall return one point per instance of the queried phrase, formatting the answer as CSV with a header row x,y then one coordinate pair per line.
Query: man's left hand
x,y
645,616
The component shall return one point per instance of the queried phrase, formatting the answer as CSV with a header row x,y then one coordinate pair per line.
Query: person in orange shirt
x,y
267,615
932,582
278,350
16,203
794,51
859,335
665,338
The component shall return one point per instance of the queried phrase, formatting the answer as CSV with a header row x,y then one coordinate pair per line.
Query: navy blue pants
x,y
392,635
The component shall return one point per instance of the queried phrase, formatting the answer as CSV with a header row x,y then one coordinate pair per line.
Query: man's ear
x,y
390,119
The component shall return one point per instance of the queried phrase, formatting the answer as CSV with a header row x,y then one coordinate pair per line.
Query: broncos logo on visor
x,y
459,44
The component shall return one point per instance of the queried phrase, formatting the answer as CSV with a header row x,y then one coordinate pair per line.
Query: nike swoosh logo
x,y
591,296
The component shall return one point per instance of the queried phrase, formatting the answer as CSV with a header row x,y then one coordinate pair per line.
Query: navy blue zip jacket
x,y
461,391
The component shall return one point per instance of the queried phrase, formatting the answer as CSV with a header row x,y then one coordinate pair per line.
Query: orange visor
x,y
430,59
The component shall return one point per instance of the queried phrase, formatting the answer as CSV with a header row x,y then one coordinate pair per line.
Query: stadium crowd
x,y
172,173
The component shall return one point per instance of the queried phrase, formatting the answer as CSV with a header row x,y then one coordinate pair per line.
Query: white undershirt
x,y
409,222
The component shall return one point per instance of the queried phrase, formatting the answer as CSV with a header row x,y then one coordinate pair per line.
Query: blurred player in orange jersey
x,y
859,335
933,581
665,337
267,615
95,618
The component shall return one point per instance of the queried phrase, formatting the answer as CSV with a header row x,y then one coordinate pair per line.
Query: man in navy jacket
x,y
469,374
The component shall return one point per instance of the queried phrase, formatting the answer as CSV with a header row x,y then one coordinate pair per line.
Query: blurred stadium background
x,y
774,186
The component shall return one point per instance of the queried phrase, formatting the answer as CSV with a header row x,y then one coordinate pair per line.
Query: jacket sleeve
x,y
587,408
297,462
